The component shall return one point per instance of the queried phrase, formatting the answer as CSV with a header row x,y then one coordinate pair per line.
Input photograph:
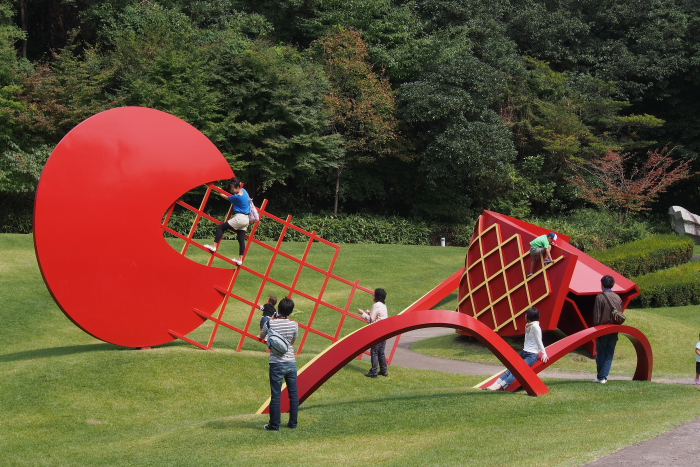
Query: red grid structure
x,y
229,293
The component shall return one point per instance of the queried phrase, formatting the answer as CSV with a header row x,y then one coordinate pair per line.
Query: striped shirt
x,y
289,330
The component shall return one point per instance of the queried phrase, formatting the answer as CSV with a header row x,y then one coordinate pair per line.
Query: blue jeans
x,y
507,378
605,346
378,359
288,372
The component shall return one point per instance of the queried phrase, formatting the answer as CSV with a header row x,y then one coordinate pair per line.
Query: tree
x,y
608,182
361,102
465,150
273,124
62,93
393,31
558,118
637,44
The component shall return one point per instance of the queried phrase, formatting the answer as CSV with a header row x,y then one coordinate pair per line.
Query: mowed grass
x,y
673,333
67,399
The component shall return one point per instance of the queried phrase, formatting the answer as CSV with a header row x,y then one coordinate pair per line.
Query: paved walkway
x,y
677,448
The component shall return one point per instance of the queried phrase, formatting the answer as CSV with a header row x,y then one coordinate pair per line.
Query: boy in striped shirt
x,y
284,367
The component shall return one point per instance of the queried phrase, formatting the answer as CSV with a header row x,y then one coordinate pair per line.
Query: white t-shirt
x,y
377,313
533,340
697,346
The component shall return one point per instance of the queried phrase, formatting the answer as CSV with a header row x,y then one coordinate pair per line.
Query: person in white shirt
x,y
533,347
378,313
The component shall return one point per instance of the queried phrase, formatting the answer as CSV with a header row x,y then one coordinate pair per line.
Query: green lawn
x,y
70,400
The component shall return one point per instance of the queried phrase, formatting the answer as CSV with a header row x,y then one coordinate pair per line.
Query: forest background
x,y
427,110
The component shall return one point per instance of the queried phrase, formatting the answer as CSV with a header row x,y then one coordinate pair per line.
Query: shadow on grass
x,y
399,398
244,424
56,352
451,297
73,349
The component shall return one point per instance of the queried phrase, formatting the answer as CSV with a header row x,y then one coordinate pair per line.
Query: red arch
x,y
326,364
645,356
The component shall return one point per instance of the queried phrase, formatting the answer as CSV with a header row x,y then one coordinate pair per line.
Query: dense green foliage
x,y
423,109
670,287
598,230
647,255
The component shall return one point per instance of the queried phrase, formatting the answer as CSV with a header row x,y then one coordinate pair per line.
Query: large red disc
x,y
97,226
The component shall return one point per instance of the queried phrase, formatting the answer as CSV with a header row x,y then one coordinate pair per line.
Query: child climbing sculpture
x,y
238,222
539,246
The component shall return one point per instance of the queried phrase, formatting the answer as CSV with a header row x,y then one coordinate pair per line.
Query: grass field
x,y
67,399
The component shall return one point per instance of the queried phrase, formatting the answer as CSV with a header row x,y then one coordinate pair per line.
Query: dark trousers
x,y
286,372
605,346
378,359
240,236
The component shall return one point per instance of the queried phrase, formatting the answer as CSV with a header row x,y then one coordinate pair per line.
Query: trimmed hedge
x,y
677,286
352,228
334,228
647,255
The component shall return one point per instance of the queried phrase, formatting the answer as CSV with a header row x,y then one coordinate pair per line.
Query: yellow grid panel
x,y
481,262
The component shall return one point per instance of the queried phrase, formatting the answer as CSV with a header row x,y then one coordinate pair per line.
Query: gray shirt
x,y
289,330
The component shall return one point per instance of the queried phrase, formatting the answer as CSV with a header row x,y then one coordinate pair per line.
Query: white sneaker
x,y
237,261
211,248
601,381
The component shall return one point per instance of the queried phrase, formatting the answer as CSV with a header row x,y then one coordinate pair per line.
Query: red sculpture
x,y
97,226
495,288
105,201
99,237
645,356
326,364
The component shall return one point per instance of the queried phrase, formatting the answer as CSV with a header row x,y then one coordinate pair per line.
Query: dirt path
x,y
679,447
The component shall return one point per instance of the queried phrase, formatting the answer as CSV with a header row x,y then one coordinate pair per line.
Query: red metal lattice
x,y
293,289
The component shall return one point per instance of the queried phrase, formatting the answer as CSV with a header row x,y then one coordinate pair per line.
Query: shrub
x,y
353,228
454,234
671,287
599,230
647,255
16,212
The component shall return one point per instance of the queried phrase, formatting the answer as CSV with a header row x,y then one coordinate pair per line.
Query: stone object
x,y
685,222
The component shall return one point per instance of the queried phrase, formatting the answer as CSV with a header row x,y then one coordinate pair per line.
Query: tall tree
x,y
466,152
273,124
361,101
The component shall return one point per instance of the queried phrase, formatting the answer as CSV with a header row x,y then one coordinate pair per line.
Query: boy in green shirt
x,y
540,245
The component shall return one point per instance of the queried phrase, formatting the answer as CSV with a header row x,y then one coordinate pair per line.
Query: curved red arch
x,y
645,356
320,369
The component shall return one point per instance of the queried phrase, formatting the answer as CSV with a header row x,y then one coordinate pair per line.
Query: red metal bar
x,y
324,366
645,355
300,269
